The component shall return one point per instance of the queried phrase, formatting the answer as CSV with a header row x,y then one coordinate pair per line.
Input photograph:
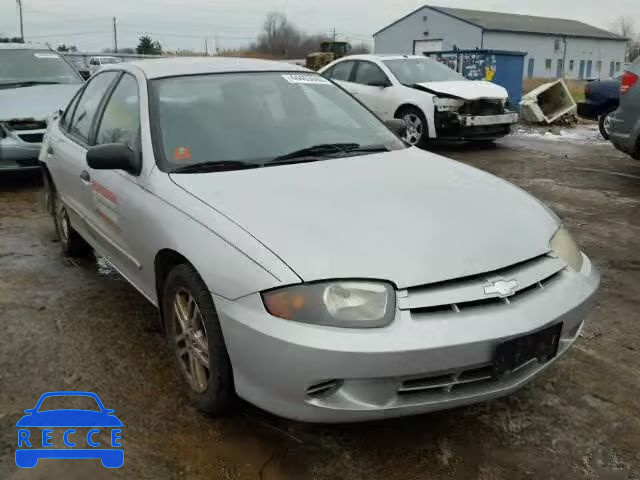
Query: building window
x,y
547,64
618,65
424,18
598,66
571,65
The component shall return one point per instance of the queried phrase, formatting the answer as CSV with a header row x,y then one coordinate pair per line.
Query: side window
x,y
370,74
121,119
68,112
342,71
80,125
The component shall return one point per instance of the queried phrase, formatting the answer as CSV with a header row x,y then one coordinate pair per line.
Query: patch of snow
x,y
579,134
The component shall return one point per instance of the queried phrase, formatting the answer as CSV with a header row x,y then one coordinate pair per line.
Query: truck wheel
x,y
195,337
417,126
604,122
73,245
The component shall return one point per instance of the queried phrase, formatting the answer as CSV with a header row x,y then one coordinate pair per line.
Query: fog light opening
x,y
324,389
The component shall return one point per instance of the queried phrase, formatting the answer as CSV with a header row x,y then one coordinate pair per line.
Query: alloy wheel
x,y
414,128
607,121
191,342
62,219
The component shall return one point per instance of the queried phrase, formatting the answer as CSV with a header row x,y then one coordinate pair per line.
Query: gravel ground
x,y
75,325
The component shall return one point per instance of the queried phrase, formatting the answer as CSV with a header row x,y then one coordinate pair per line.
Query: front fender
x,y
230,261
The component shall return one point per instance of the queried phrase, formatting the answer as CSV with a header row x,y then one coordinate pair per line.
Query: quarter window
x,y
370,74
88,104
68,113
342,71
121,119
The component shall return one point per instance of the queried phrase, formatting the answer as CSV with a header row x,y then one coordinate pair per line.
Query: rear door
x,y
342,74
67,149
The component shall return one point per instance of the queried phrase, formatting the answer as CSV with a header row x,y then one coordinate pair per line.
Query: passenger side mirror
x,y
397,126
114,156
379,83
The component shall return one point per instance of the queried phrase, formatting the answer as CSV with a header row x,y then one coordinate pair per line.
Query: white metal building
x,y
555,47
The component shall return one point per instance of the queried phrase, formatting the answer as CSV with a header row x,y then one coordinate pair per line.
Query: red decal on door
x,y
104,192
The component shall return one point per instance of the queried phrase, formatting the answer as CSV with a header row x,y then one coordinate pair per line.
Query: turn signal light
x,y
628,80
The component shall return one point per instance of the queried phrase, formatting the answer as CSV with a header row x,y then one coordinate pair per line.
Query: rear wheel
x,y
73,245
195,337
604,122
417,127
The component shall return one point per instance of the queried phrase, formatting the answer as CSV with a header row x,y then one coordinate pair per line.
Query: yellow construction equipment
x,y
329,51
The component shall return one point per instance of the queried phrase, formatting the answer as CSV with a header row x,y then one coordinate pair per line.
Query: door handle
x,y
85,177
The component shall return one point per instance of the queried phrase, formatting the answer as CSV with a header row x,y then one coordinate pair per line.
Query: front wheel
x,y
195,337
417,127
604,122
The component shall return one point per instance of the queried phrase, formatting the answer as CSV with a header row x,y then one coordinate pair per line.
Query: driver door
x,y
373,88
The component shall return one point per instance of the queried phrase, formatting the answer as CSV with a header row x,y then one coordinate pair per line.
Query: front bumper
x,y
19,150
329,375
454,126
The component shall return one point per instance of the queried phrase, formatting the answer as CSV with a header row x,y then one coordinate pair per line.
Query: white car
x,y
432,99
96,63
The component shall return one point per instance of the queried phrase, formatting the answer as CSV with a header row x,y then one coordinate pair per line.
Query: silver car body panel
x,y
391,202
441,231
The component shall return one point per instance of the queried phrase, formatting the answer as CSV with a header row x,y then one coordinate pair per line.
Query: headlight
x,y
566,248
355,304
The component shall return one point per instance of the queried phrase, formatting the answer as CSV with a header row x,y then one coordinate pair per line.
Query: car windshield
x,y
410,71
27,67
254,118
66,402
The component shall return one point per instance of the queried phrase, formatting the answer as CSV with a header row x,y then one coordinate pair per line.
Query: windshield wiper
x,y
205,167
26,84
325,150
317,151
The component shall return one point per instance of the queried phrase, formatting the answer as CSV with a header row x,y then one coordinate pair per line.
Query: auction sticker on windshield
x,y
69,433
308,78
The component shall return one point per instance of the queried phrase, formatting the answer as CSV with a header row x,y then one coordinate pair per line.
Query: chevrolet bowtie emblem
x,y
503,288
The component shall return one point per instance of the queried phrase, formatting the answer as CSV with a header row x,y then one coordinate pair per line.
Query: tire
x,y
209,387
73,245
604,122
417,126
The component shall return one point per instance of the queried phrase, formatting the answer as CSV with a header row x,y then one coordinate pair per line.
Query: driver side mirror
x,y
397,126
379,83
114,156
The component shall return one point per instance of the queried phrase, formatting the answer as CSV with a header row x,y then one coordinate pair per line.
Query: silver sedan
x,y
301,255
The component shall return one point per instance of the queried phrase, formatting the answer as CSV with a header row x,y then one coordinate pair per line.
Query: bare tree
x,y
280,38
625,27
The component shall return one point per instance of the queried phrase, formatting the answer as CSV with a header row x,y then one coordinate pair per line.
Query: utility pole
x,y
19,2
206,47
115,36
334,34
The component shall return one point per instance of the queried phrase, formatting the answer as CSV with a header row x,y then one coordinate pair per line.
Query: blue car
x,y
32,448
602,98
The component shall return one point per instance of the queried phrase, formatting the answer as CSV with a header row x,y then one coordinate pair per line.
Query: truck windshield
x,y
22,67
410,71
255,118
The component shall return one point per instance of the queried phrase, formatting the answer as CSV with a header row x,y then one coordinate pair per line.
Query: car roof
x,y
171,67
24,46
380,57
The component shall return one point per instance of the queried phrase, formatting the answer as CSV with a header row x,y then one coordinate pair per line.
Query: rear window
x,y
34,66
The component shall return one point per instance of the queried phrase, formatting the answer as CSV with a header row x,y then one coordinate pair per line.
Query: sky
x,y
230,24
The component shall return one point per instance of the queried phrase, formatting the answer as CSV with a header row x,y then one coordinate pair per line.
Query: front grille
x,y
26,125
482,107
465,294
449,382
31,137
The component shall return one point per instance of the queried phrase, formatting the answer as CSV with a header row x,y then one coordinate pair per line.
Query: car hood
x,y
69,418
406,216
466,89
36,102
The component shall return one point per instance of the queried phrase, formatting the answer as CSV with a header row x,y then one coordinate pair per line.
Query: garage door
x,y
420,47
